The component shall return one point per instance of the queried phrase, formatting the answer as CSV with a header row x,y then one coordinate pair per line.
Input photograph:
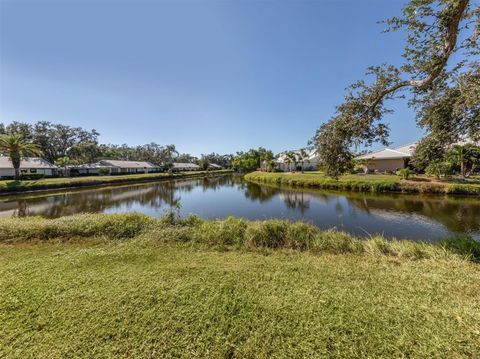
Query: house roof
x,y
27,162
404,151
128,164
185,165
214,165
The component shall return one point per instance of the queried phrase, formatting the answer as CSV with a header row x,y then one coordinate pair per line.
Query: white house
x,y
284,163
117,166
88,169
388,159
179,166
28,165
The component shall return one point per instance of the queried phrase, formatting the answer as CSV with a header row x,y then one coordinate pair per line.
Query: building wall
x,y
385,164
9,172
307,166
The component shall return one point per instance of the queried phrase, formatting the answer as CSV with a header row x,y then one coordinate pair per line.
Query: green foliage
x,y
429,149
464,245
103,171
203,163
405,173
374,183
447,100
438,169
221,160
251,160
465,157
54,140
31,176
362,183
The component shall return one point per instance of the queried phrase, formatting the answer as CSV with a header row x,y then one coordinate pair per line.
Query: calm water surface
x,y
401,216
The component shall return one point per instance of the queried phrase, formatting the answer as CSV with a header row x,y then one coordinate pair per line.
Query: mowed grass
x,y
110,286
149,301
367,183
11,186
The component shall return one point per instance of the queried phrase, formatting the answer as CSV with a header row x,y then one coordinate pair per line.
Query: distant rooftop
x,y
128,164
404,151
185,165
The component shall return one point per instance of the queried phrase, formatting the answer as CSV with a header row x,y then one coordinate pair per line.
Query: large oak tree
x,y
436,30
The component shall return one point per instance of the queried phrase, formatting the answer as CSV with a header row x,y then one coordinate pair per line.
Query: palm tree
x,y
463,156
14,147
271,165
293,159
64,162
303,157
287,161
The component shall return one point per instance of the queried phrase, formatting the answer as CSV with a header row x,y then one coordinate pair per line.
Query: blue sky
x,y
205,75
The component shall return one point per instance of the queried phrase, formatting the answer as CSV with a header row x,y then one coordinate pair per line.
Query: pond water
x,y
402,216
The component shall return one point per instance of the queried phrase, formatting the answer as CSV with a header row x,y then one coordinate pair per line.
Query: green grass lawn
x,y
368,183
9,186
144,301
110,286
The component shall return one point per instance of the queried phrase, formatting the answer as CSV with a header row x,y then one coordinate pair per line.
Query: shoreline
x,y
58,184
360,183
232,233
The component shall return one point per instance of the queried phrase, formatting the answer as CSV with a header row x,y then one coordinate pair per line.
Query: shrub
x,y
405,173
103,171
31,176
438,169
464,246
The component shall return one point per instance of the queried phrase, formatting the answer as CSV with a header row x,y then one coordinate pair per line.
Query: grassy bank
x,y
11,186
366,183
132,286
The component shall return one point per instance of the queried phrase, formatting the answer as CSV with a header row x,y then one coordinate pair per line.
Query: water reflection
x,y
403,216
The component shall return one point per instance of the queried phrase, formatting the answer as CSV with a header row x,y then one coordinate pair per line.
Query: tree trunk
x,y
462,169
17,173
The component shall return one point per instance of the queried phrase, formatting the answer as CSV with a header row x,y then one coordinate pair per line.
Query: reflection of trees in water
x,y
256,192
457,214
154,195
296,200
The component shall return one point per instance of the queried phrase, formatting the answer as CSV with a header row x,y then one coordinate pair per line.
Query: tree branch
x,y
450,41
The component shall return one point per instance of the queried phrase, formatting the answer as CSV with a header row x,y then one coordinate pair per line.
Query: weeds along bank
x,y
11,187
362,183
233,233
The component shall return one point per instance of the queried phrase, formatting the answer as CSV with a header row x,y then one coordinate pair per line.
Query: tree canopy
x,y
446,98
251,160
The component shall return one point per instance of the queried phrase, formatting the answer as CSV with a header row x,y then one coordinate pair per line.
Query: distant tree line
x,y
74,145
